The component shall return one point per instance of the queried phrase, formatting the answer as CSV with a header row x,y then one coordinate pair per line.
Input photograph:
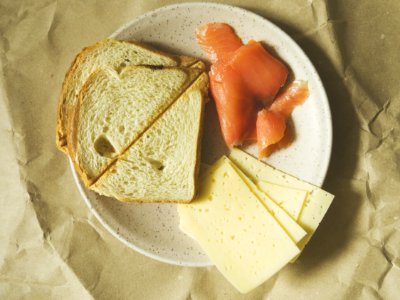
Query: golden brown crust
x,y
204,94
199,64
61,130
186,61
198,154
72,130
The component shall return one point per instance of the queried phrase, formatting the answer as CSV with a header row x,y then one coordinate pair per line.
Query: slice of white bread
x,y
107,53
162,165
113,110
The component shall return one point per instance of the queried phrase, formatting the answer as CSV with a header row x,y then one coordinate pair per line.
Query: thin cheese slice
x,y
316,204
237,232
290,199
287,221
293,229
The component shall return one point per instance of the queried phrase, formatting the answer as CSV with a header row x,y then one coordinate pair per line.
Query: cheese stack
x,y
252,219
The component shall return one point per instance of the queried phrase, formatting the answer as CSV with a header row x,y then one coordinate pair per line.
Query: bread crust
x,y
61,130
72,130
204,93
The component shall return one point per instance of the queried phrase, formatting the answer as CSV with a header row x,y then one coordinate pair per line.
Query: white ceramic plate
x,y
153,229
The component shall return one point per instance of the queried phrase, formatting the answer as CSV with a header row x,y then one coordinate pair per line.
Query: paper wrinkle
x,y
40,213
372,272
325,29
26,246
56,250
320,13
367,110
28,236
390,251
26,27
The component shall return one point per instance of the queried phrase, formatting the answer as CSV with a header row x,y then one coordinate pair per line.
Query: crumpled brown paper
x,y
51,247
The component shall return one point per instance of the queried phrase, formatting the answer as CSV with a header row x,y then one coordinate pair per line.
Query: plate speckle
x,y
153,229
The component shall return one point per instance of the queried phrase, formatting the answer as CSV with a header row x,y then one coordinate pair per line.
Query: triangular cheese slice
x,y
287,222
290,199
316,204
293,229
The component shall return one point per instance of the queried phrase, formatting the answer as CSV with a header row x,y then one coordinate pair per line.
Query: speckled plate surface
x,y
153,229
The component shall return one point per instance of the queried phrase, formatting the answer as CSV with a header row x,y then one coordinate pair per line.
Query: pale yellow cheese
x,y
316,204
290,199
237,232
293,229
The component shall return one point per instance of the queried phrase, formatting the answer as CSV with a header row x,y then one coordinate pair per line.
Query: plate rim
x,y
119,237
289,39
293,44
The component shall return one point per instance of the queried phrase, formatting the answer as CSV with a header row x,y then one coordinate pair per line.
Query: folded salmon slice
x,y
235,106
218,40
262,73
295,94
271,122
234,102
271,128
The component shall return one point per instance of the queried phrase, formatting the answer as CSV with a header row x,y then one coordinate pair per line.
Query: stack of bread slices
x,y
130,119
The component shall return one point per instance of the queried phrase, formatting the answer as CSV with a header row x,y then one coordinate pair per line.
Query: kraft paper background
x,y
51,247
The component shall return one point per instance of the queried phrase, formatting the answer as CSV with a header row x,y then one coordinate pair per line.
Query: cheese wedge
x,y
290,199
316,204
237,232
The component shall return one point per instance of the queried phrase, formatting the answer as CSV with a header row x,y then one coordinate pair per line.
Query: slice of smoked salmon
x,y
218,40
262,73
271,122
252,137
296,93
271,128
236,108
286,141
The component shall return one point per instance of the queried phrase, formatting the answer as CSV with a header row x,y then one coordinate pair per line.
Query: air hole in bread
x,y
104,147
156,164
121,129
120,67
125,63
